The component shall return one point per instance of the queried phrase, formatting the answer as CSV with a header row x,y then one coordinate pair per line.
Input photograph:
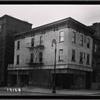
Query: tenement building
x,y
34,55
8,27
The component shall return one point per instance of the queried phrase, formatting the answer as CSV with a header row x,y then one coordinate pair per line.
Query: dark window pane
x,y
31,60
81,57
73,55
32,42
81,40
17,59
88,59
74,37
40,57
88,42
18,45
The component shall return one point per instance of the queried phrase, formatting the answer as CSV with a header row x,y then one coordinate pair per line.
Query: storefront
x,y
18,78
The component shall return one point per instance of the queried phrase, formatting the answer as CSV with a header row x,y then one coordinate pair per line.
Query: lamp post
x,y
54,87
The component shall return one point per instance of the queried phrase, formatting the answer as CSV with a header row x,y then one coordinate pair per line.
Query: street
x,y
8,93
23,93
36,91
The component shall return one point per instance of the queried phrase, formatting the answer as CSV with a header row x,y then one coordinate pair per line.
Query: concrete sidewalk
x,y
58,91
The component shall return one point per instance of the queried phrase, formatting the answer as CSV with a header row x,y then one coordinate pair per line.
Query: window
x,y
84,38
41,40
95,47
74,37
73,55
61,55
31,58
18,45
61,36
32,42
81,58
81,40
88,42
17,60
88,59
84,55
40,57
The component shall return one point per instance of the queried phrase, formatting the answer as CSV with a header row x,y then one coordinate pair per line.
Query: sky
x,y
43,14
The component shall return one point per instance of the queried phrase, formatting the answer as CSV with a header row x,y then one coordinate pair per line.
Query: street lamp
x,y
54,42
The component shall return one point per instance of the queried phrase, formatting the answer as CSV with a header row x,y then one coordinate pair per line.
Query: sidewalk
x,y
58,91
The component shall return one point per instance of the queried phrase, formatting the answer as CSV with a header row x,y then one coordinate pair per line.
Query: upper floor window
x,y
74,37
40,57
95,47
81,40
73,55
84,38
32,42
17,60
81,58
84,55
18,45
41,37
31,58
88,59
61,55
61,36
88,42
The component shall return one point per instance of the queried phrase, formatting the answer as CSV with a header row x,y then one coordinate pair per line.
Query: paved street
x,y
39,91
6,93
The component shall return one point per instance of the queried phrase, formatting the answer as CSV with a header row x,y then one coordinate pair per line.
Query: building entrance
x,y
24,80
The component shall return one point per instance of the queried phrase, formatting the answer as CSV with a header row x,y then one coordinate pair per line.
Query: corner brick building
x,y
34,55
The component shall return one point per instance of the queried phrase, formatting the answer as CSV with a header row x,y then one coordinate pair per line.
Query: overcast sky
x,y
42,14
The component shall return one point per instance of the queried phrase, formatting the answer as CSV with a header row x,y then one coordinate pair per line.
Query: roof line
x,y
56,22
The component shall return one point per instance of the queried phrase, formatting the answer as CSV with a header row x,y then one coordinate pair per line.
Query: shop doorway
x,y
24,80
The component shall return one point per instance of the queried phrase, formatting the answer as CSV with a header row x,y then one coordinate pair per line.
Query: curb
x,y
37,92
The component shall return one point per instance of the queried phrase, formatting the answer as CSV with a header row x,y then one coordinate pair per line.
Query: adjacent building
x,y
34,55
96,56
9,26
